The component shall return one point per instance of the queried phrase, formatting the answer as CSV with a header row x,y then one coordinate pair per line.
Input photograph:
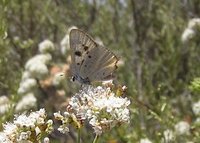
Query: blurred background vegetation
x,y
145,35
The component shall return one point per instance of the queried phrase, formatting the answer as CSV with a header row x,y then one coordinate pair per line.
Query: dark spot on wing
x,y
89,56
78,53
85,65
103,73
85,47
78,63
87,52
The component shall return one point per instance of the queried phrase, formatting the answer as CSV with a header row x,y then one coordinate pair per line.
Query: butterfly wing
x,y
81,44
105,66
90,60
99,65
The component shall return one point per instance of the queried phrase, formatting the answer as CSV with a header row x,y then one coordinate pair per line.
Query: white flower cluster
x,y
27,128
4,104
182,128
168,136
196,108
37,66
23,104
100,106
196,111
46,47
145,140
191,30
66,120
35,69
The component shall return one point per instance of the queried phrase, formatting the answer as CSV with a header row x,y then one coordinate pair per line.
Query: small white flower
x,y
16,39
4,100
46,46
24,121
66,114
40,58
49,128
26,75
197,121
63,129
50,122
4,104
5,108
97,129
27,102
187,34
107,82
182,128
46,140
58,116
39,116
196,108
66,119
39,70
27,85
193,23
24,136
10,130
145,140
168,136
4,138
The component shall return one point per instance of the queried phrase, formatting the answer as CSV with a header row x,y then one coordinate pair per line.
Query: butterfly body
x,y
90,61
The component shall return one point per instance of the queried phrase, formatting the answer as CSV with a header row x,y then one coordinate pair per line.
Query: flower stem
x,y
79,136
96,139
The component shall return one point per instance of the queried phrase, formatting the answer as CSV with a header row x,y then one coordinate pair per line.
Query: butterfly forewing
x,y
90,60
79,44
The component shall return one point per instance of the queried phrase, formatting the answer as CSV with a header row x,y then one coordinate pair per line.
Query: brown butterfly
x,y
90,61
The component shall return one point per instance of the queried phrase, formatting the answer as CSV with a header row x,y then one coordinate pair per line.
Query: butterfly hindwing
x,y
105,68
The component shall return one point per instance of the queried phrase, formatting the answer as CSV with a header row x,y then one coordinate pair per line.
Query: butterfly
x,y
91,61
